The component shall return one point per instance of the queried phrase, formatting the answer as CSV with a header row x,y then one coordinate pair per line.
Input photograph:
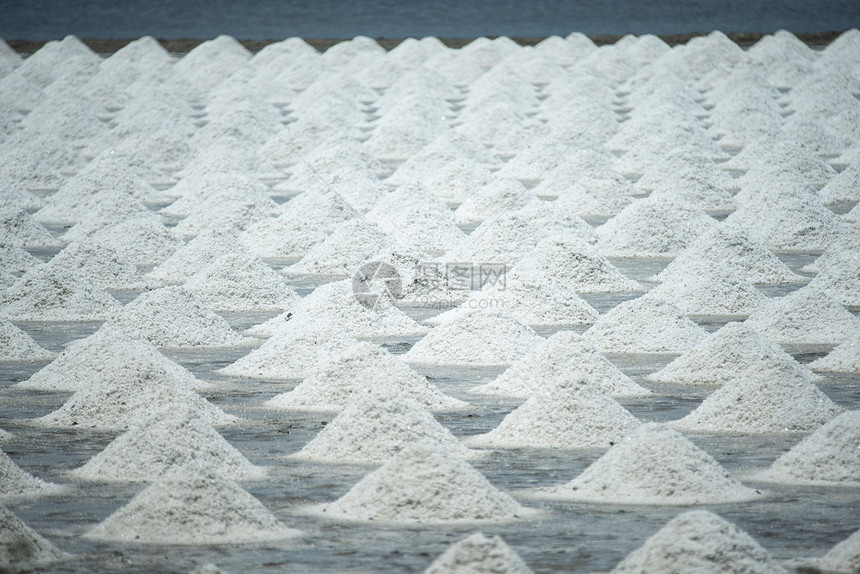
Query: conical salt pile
x,y
326,209
732,246
351,244
172,317
829,456
566,261
700,541
478,554
363,365
731,352
571,412
141,240
127,396
424,483
20,229
22,548
842,282
197,253
285,236
503,239
843,187
843,359
644,325
240,282
483,338
654,465
105,353
101,264
773,398
710,288
562,353
500,195
375,425
52,293
806,316
16,482
171,437
292,353
193,504
14,259
16,345
844,557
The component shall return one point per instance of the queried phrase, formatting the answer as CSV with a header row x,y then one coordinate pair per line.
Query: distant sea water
x,y
275,19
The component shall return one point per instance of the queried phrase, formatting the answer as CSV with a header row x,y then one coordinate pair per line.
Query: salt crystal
x,y
790,160
21,230
200,251
829,456
204,190
374,426
228,213
478,554
844,557
16,345
845,358
556,218
647,324
284,236
351,244
330,387
144,240
843,187
22,548
193,504
504,239
101,264
13,197
424,483
15,482
710,288
731,352
654,465
842,282
13,259
169,438
571,411
700,541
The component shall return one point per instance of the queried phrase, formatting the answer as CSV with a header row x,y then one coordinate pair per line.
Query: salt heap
x,y
172,317
171,437
326,209
237,282
567,262
374,426
22,548
557,218
106,354
16,345
504,239
710,288
52,293
478,554
481,338
284,236
647,324
842,282
101,264
14,259
16,482
652,228
20,229
351,244
233,210
126,396
732,352
193,504
292,353
498,196
654,465
424,483
771,398
196,254
806,316
571,411
845,358
562,353
144,240
731,245
359,367
700,541
844,557
843,187
829,456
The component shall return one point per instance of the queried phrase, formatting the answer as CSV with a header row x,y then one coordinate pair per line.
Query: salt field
x,y
498,308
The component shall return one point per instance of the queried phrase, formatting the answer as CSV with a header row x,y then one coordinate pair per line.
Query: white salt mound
x,y
572,411
359,367
376,425
16,345
16,482
292,353
806,316
654,465
101,264
829,456
169,438
560,354
731,352
843,359
843,187
483,338
106,354
14,259
127,397
19,228
196,254
503,239
710,288
844,557
351,244
52,293
644,325
702,542
139,240
842,282
22,548
193,504
478,554
240,282
284,236
172,317
424,483
770,399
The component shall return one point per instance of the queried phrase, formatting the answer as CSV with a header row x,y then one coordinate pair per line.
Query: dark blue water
x,y
269,19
